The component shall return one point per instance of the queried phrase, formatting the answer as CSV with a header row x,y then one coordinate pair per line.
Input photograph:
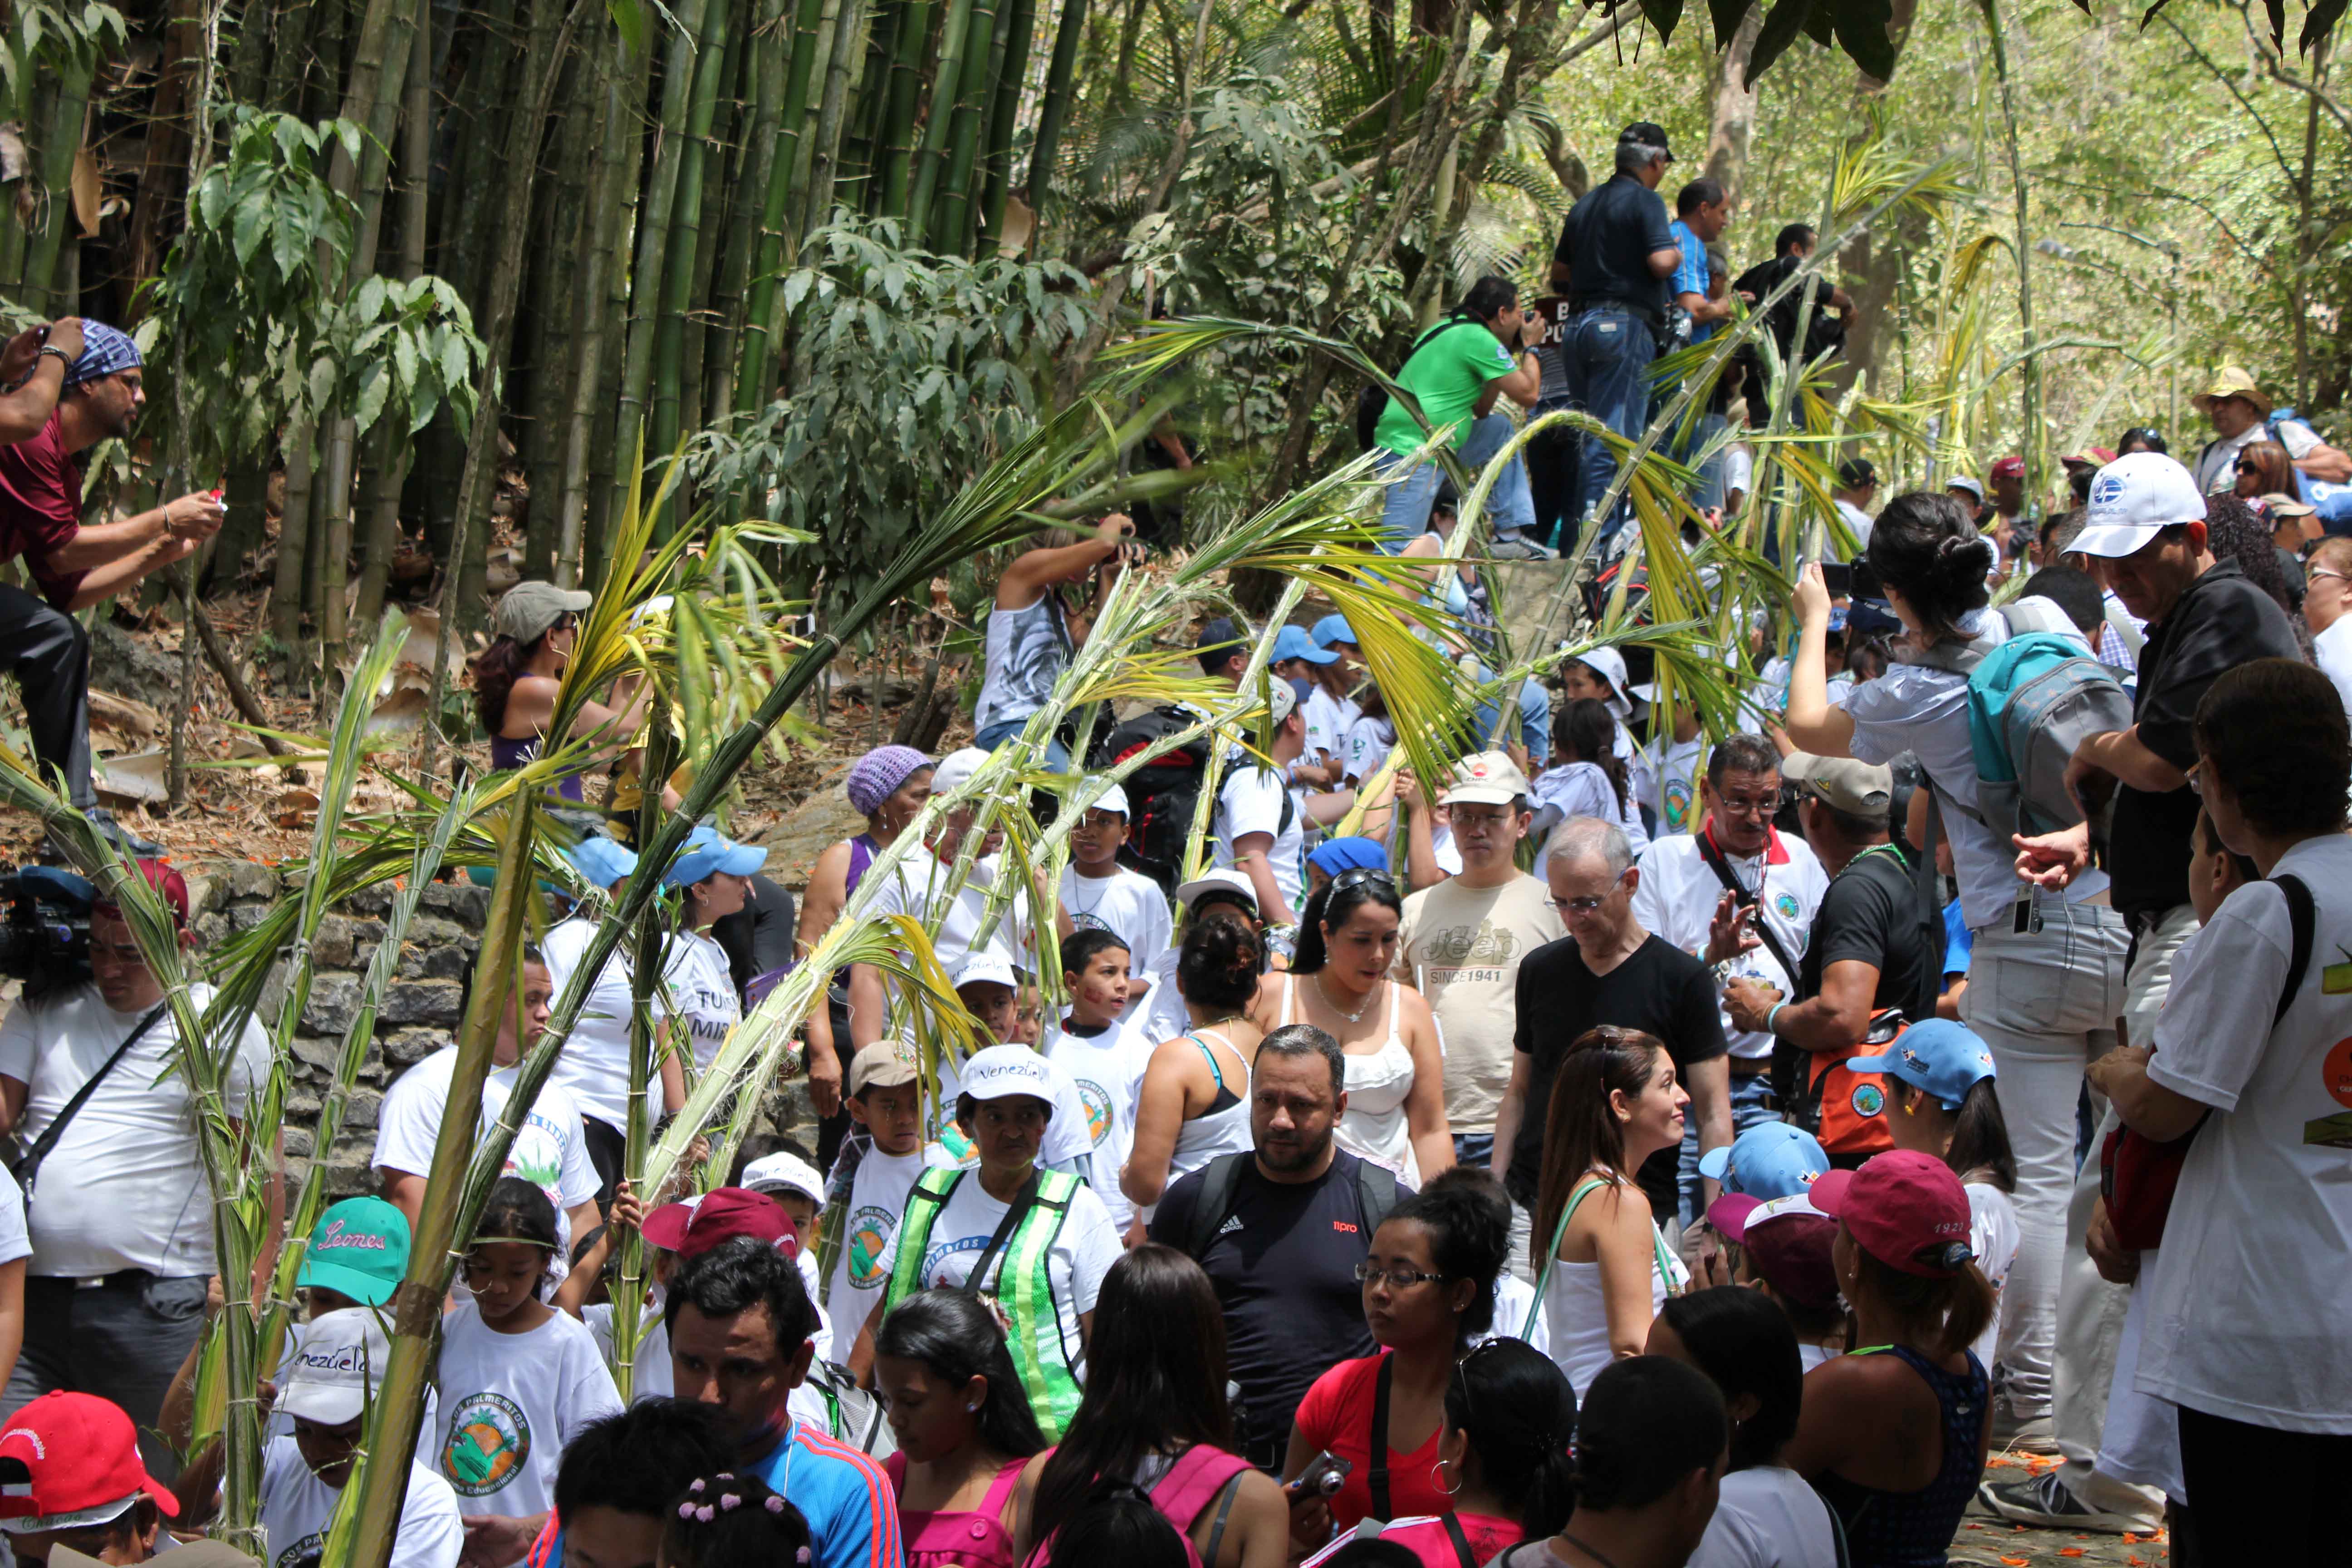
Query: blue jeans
x,y
1609,353
1751,1097
1057,755
1534,719
1474,1149
1404,509
1708,491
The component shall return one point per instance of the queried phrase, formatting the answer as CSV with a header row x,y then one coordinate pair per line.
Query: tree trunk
x,y
293,547
898,116
754,384
604,297
1020,28
45,281
1055,108
946,74
1731,123
162,180
769,67
824,149
974,112
681,256
2030,371
382,540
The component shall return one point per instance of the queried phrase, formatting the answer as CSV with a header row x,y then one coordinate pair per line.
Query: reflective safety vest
x,y
1023,1293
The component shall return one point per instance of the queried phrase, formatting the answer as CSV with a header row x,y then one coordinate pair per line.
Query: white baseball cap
x,y
783,1172
1112,799
2133,500
1609,666
987,964
1222,880
956,770
1002,1071
339,1361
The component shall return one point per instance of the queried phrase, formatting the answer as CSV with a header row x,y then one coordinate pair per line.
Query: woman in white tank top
x,y
1339,982
1606,1268
1194,1103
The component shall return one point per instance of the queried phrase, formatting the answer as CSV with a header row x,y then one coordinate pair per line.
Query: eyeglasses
x,y
2314,573
1487,821
1761,805
1358,876
1397,1279
1587,906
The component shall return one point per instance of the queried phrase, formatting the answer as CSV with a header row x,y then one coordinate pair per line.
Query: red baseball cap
x,y
67,1461
1905,1209
2008,468
1787,1239
697,1224
165,881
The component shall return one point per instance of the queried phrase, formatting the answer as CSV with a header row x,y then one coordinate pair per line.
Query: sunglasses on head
x,y
1359,876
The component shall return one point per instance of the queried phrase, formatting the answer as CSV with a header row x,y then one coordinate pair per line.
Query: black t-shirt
x,y
1606,244
1872,914
759,936
1284,1264
1660,990
2221,621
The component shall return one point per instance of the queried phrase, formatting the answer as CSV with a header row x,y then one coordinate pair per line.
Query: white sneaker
x,y
1519,547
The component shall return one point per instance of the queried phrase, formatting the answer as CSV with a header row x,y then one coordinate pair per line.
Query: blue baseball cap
x,y
706,852
1335,628
1293,642
601,859
1771,1160
1944,1059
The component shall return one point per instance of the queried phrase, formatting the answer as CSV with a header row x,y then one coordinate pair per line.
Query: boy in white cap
x,y
886,1101
1100,894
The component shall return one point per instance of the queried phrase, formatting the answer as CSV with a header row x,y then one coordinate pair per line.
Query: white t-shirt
x,y
593,1065
2332,652
1068,1145
1107,1069
1130,906
1675,784
510,1403
1328,717
548,1149
297,1507
125,1186
650,1377
2246,1300
1738,471
1676,901
16,1239
1859,521
702,991
2217,463
1163,1016
1082,1253
1766,1516
1254,800
1992,1236
919,888
1581,789
877,1198
1370,741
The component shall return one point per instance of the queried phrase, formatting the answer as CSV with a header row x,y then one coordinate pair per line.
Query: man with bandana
x,y
74,565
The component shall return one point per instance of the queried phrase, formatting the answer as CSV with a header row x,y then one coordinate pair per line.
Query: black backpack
x,y
1163,795
1376,1193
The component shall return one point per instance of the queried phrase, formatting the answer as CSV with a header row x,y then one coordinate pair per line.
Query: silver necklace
x,y
1352,1017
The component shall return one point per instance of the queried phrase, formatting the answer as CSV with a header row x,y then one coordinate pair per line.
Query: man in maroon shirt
x,y
73,565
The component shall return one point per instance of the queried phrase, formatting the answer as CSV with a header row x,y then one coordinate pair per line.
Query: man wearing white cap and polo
x,y
1010,1231
1100,894
1461,940
2145,533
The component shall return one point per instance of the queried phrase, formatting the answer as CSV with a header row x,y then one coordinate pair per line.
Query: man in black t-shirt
x,y
1613,260
1607,970
1874,945
1283,1256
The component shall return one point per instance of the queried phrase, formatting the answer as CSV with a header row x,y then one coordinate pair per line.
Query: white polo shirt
x,y
1677,896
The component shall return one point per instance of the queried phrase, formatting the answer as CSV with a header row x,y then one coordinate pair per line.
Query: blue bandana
x,y
105,349
1336,855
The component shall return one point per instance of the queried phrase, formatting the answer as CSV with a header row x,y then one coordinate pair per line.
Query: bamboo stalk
x,y
767,73
947,72
604,300
677,292
2030,379
1055,106
905,86
951,231
1021,22
394,448
752,383
824,151
69,112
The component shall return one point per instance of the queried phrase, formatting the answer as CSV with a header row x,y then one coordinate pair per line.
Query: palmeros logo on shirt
x,y
489,1442
1678,805
944,1250
870,1229
1097,1103
303,1548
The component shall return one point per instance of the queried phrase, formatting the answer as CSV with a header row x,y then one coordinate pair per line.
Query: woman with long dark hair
x,y
1893,1433
1941,1102
1154,1414
1339,981
963,1428
2042,992
1606,1268
1193,1102
1766,1513
517,677
1587,777
2263,469
1502,1461
1429,1290
1649,1453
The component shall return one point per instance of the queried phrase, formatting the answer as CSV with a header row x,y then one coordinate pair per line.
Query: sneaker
x,y
2045,1502
1519,547
102,823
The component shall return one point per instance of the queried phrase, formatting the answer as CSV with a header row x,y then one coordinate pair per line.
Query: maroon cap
x,y
1904,1208
165,881
1787,1240
72,1459
2008,468
721,1214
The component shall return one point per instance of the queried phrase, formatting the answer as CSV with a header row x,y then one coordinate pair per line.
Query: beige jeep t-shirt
x,y
1461,948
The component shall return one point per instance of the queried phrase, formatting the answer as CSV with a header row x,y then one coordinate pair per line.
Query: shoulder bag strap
x,y
1221,1182
1015,1211
27,1165
1931,909
1584,1189
1462,1553
2303,917
1745,897
1225,1496
1378,1450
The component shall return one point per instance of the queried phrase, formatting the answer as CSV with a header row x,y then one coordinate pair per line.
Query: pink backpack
x,y
1202,1474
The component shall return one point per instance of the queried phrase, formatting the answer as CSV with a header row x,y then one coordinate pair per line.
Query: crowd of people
x,y
1650,1146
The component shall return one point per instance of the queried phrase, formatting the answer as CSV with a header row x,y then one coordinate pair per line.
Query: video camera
x,y
45,936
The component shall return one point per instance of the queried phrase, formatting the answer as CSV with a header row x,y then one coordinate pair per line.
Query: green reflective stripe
x,y
1051,1388
924,1207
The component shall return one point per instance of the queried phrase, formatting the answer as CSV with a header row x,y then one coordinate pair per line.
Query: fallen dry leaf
x,y
139,776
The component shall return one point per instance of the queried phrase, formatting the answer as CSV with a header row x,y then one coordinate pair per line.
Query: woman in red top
x,y
963,1427
1429,1288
